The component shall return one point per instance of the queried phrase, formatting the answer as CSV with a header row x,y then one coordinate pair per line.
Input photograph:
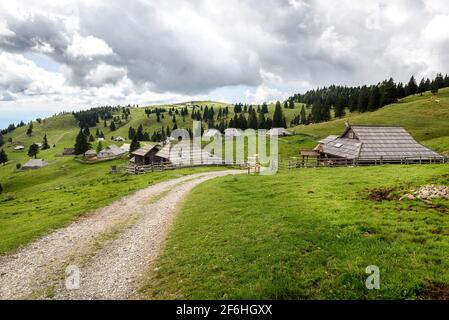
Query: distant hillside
x,y
426,117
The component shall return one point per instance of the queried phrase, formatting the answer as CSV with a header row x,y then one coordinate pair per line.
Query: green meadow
x,y
307,234
299,234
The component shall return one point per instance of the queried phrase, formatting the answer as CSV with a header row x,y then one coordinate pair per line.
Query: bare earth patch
x,y
112,246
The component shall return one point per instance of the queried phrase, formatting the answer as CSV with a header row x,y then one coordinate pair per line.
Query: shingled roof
x,y
185,153
375,142
144,150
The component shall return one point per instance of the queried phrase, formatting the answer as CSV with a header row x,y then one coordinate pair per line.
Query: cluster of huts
x,y
175,153
110,152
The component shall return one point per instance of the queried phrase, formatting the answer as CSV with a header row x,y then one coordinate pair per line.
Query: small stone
x,y
411,197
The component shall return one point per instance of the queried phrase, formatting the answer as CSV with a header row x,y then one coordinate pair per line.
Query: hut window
x,y
338,145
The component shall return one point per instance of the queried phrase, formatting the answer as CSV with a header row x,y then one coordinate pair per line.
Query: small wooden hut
x,y
147,155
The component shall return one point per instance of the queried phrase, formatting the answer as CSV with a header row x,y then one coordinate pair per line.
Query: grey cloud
x,y
160,47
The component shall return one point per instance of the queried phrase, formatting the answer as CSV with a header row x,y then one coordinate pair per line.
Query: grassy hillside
x,y
35,202
425,117
307,234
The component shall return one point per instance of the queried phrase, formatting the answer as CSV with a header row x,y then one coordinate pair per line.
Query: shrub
x,y
18,166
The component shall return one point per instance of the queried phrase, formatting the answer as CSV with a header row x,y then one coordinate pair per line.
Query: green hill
x,y
426,117
34,202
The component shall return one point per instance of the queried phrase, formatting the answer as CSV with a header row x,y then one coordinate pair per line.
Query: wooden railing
x,y
340,162
155,167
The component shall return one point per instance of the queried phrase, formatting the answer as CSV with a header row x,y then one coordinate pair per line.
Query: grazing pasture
x,y
307,234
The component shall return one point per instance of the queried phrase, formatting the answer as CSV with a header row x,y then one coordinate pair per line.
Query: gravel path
x,y
112,247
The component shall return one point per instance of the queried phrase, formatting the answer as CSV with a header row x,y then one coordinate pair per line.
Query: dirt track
x,y
112,247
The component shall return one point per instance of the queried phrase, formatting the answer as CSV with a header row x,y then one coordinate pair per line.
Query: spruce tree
x,y
291,104
2,139
33,150
316,110
3,157
99,146
278,121
412,87
45,144
131,133
374,99
135,144
253,123
1,189
30,129
389,94
339,107
264,108
140,133
303,115
81,144
362,104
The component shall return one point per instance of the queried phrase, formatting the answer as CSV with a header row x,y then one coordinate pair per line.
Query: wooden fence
x,y
157,167
341,162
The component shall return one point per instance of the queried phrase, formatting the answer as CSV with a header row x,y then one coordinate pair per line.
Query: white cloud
x,y
264,93
104,73
4,31
88,47
164,50
437,29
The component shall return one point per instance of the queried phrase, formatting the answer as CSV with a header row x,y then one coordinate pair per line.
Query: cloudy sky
x,y
67,54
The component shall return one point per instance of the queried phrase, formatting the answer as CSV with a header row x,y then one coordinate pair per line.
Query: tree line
x,y
362,98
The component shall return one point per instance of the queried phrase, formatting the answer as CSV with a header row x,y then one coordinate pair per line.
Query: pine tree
x,y
30,129
339,107
131,133
264,108
291,104
135,144
81,144
412,88
253,123
33,150
45,144
389,94
316,110
434,87
99,146
112,127
1,189
2,139
140,133
91,138
168,132
278,121
374,99
422,86
3,157
362,104
303,115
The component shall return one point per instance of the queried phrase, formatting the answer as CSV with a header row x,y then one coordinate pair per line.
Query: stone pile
x,y
428,193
